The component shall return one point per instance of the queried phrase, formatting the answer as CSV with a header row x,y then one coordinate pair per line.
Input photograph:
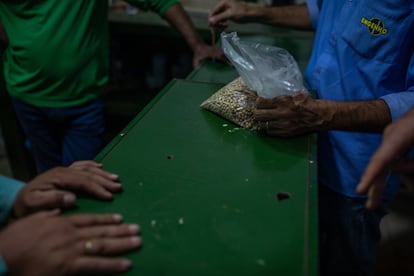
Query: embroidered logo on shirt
x,y
375,26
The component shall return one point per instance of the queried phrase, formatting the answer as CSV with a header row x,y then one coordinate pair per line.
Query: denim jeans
x,y
348,234
60,136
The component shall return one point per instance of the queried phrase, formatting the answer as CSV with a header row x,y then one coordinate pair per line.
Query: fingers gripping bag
x,y
265,71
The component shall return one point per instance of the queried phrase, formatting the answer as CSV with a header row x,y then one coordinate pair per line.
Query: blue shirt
x,y
363,50
3,267
9,188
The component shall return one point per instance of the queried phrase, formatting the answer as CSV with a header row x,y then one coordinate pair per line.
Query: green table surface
x,y
205,192
213,72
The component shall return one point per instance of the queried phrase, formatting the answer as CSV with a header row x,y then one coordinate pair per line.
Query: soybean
x,y
234,102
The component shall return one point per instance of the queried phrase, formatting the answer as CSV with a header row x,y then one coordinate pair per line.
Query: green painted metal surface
x,y
213,72
206,192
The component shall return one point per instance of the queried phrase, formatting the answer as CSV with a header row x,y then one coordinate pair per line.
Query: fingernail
x,y
108,195
135,241
125,263
117,217
133,228
69,198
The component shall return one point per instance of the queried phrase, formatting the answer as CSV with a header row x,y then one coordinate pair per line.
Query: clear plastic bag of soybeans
x,y
234,102
265,71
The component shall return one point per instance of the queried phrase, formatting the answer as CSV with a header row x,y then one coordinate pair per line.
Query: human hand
x,y
226,10
55,188
397,139
288,116
204,51
48,244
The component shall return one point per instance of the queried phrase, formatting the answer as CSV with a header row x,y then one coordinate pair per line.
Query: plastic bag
x,y
268,70
234,102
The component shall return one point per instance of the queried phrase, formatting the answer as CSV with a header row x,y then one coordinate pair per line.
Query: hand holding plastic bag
x,y
265,71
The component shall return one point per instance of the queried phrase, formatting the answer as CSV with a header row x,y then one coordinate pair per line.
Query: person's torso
x,y
58,50
362,51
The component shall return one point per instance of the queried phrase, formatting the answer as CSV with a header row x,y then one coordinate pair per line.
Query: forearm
x,y
366,116
179,20
293,16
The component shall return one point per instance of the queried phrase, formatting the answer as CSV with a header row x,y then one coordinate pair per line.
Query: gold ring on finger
x,y
88,245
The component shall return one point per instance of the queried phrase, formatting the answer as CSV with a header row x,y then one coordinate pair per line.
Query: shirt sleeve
x,y
8,192
314,7
3,267
158,6
400,103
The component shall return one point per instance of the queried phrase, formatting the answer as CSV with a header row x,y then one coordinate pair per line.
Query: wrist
x,y
323,113
14,212
253,14
197,45
326,110
17,209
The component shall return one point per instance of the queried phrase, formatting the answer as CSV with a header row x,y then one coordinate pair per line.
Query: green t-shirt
x,y
58,49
